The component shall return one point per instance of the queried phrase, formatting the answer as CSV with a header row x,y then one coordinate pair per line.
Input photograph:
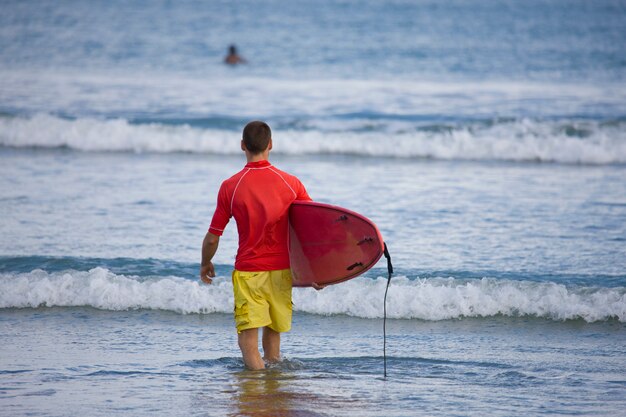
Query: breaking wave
x,y
424,299
574,142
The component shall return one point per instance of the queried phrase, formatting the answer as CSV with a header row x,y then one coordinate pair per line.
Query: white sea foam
x,y
441,299
102,289
429,299
522,140
111,135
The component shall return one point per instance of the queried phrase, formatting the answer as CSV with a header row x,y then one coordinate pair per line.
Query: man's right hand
x,y
207,272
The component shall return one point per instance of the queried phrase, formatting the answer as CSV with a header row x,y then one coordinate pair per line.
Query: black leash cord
x,y
389,273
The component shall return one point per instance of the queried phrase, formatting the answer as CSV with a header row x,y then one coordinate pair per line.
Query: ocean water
x,y
486,139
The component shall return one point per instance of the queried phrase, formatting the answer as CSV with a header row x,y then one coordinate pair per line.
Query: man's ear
x,y
243,146
269,146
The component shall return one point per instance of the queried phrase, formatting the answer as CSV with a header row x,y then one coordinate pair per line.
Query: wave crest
x,y
100,288
579,142
425,299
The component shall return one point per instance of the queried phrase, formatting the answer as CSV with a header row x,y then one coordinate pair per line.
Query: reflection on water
x,y
272,392
293,388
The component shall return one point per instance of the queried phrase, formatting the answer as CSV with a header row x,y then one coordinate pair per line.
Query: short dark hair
x,y
256,136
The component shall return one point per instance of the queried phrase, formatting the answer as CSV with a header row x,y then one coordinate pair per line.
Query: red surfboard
x,y
329,244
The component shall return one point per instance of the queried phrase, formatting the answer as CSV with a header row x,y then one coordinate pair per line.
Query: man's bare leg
x,y
271,345
249,345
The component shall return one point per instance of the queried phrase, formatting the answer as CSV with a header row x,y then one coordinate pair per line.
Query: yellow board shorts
x,y
262,299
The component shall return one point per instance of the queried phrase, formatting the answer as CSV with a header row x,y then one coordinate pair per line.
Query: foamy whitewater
x,y
579,142
487,140
425,299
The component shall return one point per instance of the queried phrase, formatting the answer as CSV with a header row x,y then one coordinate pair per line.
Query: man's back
x,y
258,197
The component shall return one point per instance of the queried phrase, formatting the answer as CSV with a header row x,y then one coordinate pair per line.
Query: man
x,y
258,197
233,57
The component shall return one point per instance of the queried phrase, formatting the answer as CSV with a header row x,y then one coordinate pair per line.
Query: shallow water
x,y
147,362
509,292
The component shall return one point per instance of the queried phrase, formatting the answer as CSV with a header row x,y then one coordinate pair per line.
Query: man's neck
x,y
264,156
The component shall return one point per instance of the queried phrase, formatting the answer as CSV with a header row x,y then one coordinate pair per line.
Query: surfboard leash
x,y
389,273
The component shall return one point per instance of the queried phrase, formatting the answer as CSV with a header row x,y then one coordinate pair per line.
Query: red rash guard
x,y
258,197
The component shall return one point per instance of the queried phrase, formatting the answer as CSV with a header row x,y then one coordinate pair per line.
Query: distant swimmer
x,y
233,57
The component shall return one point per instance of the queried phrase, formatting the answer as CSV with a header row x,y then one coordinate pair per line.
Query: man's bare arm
x,y
209,247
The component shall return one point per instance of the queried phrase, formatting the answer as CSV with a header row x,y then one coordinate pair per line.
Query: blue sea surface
x,y
486,139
